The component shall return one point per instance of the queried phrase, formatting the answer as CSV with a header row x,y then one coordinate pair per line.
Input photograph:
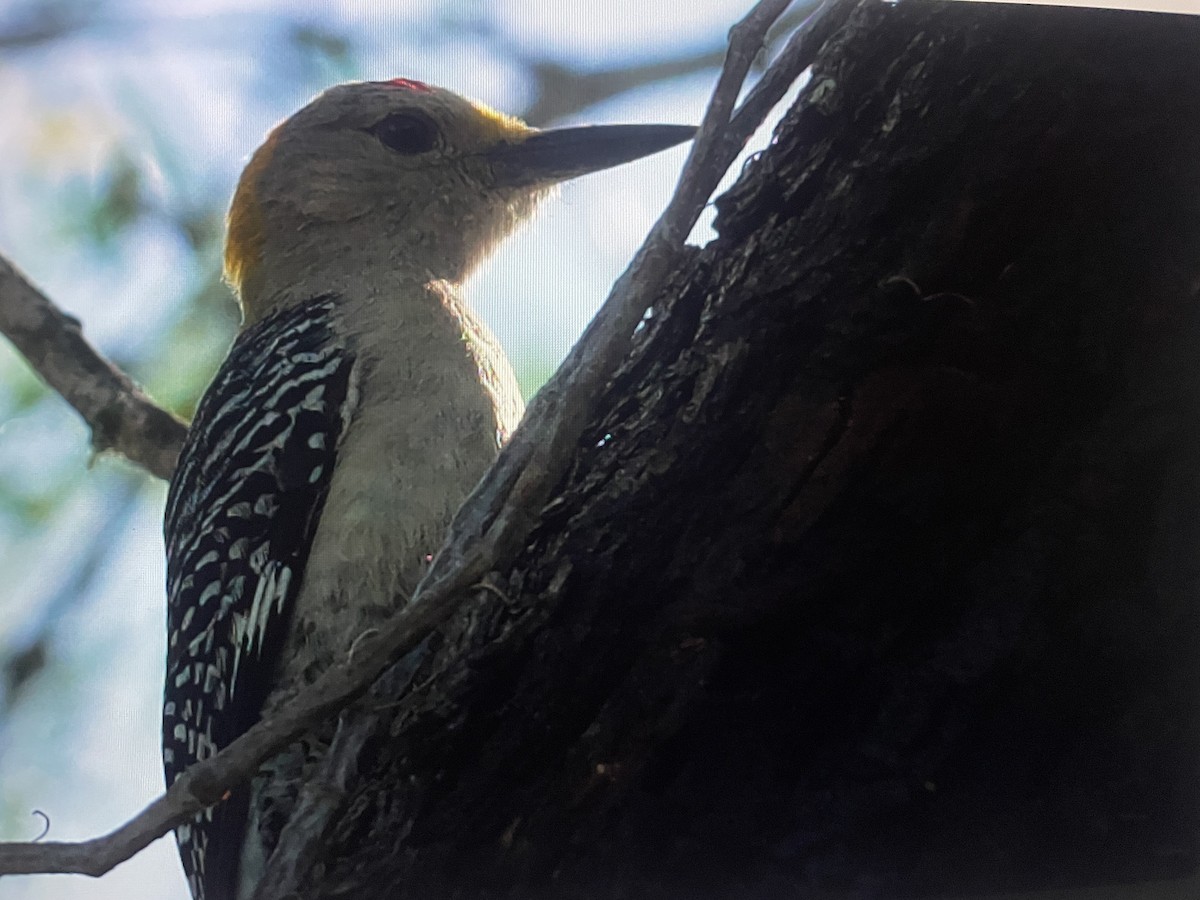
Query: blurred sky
x,y
123,126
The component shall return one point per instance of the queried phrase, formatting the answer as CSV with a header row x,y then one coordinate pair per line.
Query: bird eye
x,y
406,132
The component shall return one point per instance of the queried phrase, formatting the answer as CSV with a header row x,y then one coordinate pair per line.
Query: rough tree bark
x,y
878,573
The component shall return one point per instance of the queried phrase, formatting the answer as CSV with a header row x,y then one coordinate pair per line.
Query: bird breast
x,y
431,399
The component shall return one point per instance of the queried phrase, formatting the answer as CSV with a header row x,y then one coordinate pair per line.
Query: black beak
x,y
561,153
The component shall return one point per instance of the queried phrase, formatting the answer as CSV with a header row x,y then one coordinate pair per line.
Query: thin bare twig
x,y
497,517
121,417
560,91
322,798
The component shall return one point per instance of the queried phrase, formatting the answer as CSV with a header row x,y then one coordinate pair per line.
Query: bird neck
x,y
418,342
361,272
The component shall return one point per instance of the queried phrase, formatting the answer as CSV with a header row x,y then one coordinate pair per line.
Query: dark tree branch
x,y
45,26
121,417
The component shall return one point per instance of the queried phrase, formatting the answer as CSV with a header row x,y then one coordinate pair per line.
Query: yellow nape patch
x,y
498,126
244,235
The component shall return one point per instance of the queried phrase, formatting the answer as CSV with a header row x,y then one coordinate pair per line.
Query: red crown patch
x,y
410,85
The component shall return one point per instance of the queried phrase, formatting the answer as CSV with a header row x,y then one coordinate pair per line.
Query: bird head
x,y
418,176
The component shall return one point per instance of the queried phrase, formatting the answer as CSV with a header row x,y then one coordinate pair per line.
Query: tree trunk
x,y
879,573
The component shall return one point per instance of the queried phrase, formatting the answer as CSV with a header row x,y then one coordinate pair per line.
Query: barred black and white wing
x,y
241,513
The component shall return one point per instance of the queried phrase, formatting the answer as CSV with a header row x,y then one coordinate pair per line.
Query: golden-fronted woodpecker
x,y
360,403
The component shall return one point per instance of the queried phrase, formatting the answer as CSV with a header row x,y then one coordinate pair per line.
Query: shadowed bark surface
x,y
879,573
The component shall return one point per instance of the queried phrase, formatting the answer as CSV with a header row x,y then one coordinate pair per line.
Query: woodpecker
x,y
359,404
